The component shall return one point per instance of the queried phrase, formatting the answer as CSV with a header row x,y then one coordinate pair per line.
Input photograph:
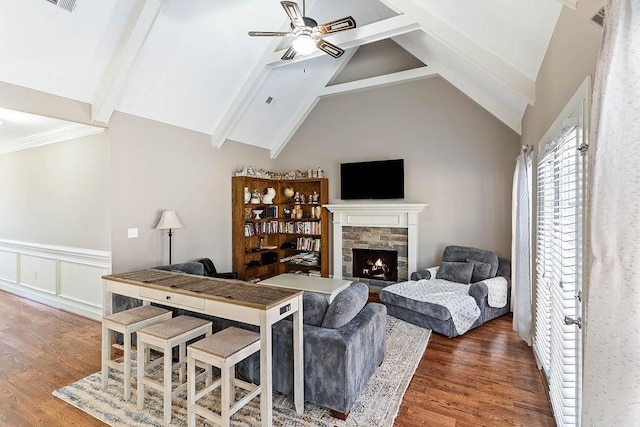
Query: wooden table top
x,y
229,291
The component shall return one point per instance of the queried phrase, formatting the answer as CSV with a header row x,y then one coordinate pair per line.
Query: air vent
x,y
68,5
598,18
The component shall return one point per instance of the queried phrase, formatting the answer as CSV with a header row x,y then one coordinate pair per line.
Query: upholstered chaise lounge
x,y
484,296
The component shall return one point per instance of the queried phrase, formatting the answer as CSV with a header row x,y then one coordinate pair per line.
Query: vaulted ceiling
x,y
191,63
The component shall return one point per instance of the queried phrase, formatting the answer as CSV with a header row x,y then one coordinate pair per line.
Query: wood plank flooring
x,y
485,378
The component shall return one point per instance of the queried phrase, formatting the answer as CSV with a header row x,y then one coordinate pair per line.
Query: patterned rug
x,y
378,404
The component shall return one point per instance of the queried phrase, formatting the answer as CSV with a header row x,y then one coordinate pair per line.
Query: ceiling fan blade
x,y
269,33
329,48
289,54
346,23
293,12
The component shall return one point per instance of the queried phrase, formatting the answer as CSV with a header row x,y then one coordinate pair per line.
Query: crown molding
x,y
60,134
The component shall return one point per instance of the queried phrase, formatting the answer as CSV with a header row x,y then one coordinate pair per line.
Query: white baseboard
x,y
59,276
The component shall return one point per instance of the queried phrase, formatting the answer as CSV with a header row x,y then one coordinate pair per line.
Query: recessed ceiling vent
x,y
598,18
68,5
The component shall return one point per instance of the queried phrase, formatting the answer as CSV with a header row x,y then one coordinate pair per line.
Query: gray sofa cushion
x,y
314,307
345,306
185,267
459,272
462,253
481,271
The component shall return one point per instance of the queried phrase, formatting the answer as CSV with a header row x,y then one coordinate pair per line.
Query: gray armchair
x,y
338,362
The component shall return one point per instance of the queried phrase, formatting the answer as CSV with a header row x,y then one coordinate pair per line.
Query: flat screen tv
x,y
372,180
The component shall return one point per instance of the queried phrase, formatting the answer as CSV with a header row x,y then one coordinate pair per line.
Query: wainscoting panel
x,y
9,266
38,272
59,276
82,282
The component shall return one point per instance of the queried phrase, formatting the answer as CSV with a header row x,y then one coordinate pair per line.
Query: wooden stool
x,y
222,350
164,337
127,322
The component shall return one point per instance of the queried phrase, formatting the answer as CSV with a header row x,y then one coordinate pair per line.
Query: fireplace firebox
x,y
375,264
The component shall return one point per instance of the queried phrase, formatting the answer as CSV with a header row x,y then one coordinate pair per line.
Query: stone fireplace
x,y
375,226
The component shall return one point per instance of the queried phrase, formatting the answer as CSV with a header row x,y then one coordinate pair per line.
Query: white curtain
x,y
611,391
521,247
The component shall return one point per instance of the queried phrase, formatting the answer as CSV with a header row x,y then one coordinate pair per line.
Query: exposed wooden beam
x,y
308,103
369,33
487,100
492,64
384,80
117,74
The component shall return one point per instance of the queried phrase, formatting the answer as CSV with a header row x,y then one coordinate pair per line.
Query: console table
x,y
230,299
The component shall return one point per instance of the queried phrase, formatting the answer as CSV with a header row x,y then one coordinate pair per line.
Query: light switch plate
x,y
132,233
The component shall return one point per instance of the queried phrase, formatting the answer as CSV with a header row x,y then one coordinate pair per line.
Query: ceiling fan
x,y
308,34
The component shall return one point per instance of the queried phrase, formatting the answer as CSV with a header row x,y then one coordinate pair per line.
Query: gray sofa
x,y
437,317
339,356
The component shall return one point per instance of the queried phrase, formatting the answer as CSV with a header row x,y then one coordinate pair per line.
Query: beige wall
x,y
458,158
158,167
58,194
571,56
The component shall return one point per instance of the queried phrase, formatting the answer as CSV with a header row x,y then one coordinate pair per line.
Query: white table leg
x,y
107,308
298,359
266,376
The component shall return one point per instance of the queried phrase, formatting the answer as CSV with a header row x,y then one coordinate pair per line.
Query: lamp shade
x,y
169,219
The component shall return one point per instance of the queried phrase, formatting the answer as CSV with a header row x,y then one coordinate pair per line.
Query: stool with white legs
x,y
222,350
127,322
164,337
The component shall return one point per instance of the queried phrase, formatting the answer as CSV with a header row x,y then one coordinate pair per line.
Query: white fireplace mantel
x,y
398,215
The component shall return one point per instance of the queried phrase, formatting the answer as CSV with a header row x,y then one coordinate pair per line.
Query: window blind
x,y
558,268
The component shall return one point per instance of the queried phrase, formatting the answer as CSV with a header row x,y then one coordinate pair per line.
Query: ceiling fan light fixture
x,y
304,44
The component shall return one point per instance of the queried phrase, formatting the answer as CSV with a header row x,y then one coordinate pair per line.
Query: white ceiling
x,y
192,64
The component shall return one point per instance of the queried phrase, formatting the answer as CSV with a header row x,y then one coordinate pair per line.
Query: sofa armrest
x,y
480,292
428,274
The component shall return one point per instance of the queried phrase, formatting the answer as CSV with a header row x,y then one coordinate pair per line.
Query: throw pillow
x,y
481,271
345,306
459,272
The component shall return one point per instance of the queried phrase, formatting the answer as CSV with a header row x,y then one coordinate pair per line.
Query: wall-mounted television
x,y
382,179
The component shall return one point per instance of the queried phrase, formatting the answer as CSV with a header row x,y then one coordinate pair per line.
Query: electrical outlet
x,y
35,275
132,233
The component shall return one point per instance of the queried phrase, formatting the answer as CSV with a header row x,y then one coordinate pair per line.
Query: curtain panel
x,y
611,392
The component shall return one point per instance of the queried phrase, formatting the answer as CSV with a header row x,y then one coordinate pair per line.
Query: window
x,y
559,244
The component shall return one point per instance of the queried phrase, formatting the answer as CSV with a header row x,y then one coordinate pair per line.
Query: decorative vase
x,y
247,195
268,198
318,211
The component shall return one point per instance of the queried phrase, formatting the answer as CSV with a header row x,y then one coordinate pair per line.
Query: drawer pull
x,y
168,296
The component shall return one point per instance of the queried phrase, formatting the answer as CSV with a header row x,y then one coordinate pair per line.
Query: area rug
x,y
378,404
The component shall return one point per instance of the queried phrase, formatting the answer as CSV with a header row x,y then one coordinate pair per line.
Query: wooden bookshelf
x,y
261,246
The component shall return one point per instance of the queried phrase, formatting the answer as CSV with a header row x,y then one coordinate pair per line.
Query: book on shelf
x,y
257,228
271,212
308,244
300,227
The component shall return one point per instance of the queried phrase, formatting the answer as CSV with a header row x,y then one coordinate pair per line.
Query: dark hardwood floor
x,y
485,378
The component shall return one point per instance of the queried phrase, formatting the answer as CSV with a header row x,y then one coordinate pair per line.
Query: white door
x,y
559,266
